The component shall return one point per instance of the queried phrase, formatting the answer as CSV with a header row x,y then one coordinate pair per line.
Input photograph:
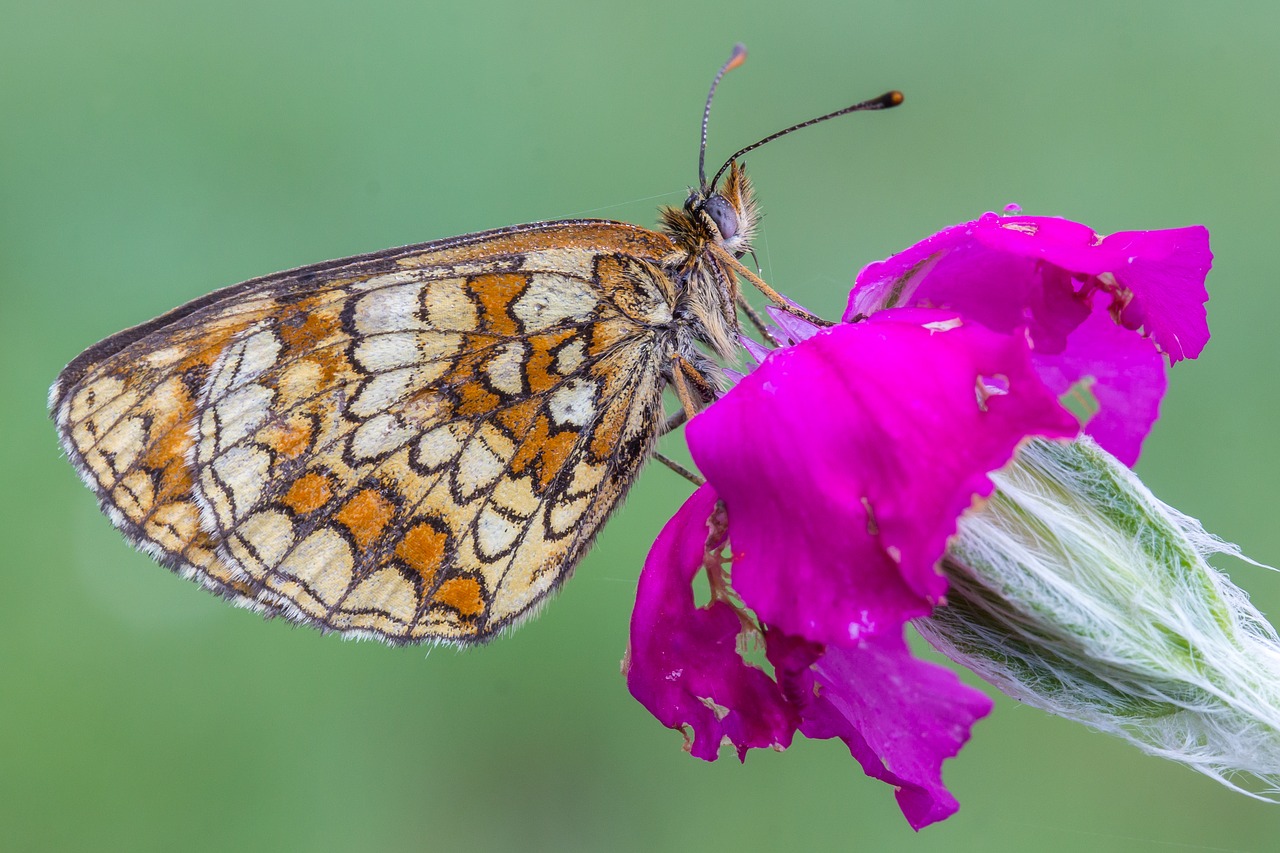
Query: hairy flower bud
x,y
1075,590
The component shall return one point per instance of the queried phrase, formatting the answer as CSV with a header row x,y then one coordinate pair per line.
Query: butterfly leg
x,y
693,389
673,423
692,476
774,296
756,320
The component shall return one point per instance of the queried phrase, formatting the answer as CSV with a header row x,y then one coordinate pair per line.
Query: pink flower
x,y
838,469
1076,296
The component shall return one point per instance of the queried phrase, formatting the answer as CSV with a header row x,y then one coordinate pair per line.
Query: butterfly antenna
x,y
735,59
884,102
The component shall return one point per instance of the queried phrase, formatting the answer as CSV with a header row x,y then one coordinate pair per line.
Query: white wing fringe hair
x,y
1075,590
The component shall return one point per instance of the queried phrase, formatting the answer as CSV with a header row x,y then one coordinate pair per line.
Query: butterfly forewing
x,y
415,445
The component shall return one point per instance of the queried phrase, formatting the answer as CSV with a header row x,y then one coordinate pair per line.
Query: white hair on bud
x,y
1075,590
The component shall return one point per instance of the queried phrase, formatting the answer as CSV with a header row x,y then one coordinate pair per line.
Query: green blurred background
x,y
151,152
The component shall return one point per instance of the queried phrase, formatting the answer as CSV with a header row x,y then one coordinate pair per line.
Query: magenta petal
x,y
792,659
846,460
899,716
683,664
1117,375
1156,277
1007,271
1058,282
1004,291
896,281
758,352
1163,265
793,328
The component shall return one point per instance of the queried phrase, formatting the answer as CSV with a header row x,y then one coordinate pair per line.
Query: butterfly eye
x,y
723,215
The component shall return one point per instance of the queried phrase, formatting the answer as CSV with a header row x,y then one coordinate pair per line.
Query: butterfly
x,y
417,444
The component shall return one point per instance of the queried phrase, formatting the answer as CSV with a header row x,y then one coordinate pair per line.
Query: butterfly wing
x,y
415,445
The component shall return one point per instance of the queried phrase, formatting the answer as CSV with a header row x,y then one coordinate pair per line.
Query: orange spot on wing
x,y
606,438
331,363
169,427
475,399
518,418
168,455
310,327
175,483
529,449
538,366
307,323
607,334
211,345
496,293
462,594
365,515
289,440
422,548
546,452
553,456
308,493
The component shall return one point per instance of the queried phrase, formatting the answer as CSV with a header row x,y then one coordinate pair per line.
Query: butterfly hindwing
x,y
415,445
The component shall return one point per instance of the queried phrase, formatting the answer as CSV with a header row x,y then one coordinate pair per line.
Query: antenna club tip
x,y
737,57
892,99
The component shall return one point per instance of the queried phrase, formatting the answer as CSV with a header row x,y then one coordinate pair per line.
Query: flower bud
x,y
1075,590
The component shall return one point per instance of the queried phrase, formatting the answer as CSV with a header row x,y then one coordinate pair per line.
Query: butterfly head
x,y
725,214
728,214
717,223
